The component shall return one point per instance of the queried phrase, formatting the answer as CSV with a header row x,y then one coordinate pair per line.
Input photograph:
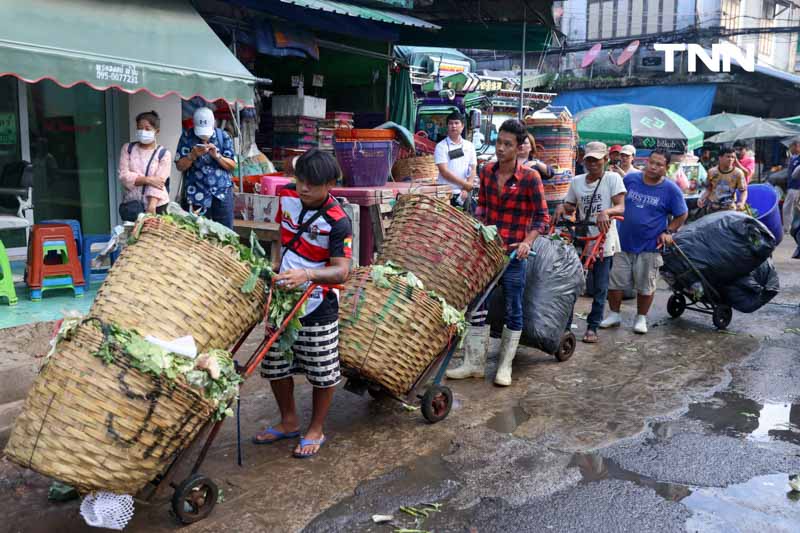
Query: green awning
x,y
351,10
437,109
162,48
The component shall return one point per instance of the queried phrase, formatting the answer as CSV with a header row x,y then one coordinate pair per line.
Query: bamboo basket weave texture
x,y
442,247
389,335
416,168
103,427
171,283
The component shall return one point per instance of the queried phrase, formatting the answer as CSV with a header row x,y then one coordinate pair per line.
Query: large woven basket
x,y
441,245
171,283
103,427
389,335
416,168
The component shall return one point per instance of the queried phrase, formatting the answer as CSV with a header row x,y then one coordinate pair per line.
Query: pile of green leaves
x,y
157,362
207,229
283,301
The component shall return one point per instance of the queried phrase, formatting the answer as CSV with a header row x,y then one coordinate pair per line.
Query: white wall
x,y
169,110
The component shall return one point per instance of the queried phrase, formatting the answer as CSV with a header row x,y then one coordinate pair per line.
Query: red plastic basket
x,y
366,163
355,134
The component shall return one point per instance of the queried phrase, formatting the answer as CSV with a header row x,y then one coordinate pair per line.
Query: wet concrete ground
x,y
684,429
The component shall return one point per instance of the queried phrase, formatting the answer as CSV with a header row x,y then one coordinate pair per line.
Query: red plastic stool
x,y
37,270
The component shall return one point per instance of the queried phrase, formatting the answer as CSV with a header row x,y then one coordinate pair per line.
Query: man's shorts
x,y
635,271
316,354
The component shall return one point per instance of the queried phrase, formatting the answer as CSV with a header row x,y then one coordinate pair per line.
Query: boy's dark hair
x,y
455,115
516,128
726,150
151,117
317,168
663,152
739,144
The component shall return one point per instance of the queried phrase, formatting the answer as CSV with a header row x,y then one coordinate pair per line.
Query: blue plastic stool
x,y
76,230
86,257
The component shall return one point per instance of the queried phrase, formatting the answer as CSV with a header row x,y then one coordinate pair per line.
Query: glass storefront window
x,y
10,156
68,150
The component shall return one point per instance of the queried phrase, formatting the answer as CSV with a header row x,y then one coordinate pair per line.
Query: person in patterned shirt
x,y
205,156
511,197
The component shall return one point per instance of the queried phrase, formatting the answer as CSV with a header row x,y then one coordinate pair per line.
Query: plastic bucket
x,y
763,198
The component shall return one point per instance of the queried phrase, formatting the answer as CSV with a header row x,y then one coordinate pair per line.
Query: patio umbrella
x,y
643,126
762,128
722,122
793,120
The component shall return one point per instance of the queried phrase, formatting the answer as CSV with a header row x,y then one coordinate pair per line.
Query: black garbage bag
x,y
749,293
554,282
723,246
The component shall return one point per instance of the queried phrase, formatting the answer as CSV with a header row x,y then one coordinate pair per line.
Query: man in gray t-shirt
x,y
596,196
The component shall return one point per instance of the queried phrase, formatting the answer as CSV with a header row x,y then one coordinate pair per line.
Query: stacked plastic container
x,y
556,144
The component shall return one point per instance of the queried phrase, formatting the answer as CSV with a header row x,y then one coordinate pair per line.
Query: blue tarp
x,y
689,101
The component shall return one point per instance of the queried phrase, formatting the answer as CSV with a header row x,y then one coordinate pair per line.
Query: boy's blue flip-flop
x,y
275,433
309,442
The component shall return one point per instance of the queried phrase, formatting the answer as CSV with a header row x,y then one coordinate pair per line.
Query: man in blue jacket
x,y
650,202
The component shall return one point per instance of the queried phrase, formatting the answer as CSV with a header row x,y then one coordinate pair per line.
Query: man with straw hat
x,y
511,198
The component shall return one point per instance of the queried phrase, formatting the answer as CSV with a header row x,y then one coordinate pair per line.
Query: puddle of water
x,y
595,467
508,421
762,504
734,415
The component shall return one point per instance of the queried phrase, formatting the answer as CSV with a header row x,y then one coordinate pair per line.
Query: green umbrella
x,y
643,126
762,128
793,120
402,104
722,122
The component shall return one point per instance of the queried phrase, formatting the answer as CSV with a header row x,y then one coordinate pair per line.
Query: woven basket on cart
x,y
171,283
441,245
417,168
103,427
389,335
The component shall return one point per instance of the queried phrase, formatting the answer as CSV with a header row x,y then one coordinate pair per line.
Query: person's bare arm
x,y
336,273
225,162
184,163
452,178
617,209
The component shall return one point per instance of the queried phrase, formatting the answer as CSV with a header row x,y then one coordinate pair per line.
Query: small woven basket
x,y
103,427
417,168
389,335
171,283
441,245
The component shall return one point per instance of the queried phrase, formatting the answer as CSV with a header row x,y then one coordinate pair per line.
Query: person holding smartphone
x,y
205,155
456,160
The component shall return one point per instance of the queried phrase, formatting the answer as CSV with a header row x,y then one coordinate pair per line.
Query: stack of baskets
x,y
556,144
366,156
112,427
416,168
391,335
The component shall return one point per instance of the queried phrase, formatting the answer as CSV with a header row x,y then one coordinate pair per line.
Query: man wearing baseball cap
x,y
613,153
205,155
595,197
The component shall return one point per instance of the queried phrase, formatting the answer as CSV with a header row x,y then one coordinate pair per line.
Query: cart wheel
x,y
567,346
676,305
722,316
436,403
194,498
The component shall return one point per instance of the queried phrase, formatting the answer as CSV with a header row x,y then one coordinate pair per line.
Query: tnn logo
x,y
719,61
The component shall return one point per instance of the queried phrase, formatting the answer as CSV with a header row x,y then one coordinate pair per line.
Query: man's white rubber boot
x,y
476,344
508,349
641,324
611,321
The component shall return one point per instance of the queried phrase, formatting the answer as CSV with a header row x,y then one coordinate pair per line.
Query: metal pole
x,y
389,83
522,72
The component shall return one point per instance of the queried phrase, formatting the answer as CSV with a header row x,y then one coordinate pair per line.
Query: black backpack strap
x,y
130,147
307,224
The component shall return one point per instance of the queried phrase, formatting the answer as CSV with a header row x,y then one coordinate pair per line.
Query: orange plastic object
x,y
37,270
353,134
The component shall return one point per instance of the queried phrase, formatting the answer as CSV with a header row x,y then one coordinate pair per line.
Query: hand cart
x,y
684,297
437,400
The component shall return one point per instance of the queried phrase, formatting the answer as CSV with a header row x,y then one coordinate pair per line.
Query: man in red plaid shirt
x,y
511,197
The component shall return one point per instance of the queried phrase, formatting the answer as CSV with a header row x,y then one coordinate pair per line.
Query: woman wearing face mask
x,y
144,168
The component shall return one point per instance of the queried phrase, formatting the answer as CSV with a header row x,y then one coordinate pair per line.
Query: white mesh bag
x,y
105,509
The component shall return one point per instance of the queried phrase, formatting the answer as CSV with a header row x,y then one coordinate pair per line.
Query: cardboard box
x,y
298,106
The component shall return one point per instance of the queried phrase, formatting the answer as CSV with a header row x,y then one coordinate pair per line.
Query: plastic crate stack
x,y
556,144
298,133
327,128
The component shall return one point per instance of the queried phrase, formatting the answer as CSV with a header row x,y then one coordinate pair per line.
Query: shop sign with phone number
x,y
123,73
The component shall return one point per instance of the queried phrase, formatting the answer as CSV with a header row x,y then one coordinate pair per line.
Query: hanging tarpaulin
x,y
160,47
403,106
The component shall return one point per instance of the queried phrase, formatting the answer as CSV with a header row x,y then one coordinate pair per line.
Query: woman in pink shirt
x,y
144,166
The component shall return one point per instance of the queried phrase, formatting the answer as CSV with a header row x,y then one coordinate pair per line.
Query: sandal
x,y
279,435
590,337
309,442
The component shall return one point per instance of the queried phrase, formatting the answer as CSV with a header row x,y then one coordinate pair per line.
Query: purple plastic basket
x,y
366,163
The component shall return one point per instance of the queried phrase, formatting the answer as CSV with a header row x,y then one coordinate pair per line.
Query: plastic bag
x,y
751,292
552,286
723,246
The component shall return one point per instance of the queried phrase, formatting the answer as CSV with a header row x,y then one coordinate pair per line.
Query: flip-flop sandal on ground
x,y
275,433
590,337
309,442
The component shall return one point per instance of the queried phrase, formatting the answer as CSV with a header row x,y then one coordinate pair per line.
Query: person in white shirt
x,y
456,159
595,197
626,155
